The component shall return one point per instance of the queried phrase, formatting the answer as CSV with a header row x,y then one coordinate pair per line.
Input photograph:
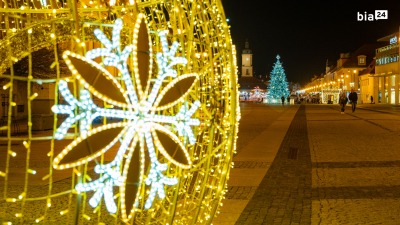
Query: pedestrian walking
x,y
353,99
372,99
342,101
283,99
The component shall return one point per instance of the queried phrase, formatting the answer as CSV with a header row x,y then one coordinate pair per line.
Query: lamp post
x,y
352,78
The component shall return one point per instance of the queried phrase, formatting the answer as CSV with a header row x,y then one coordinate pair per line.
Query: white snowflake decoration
x,y
138,110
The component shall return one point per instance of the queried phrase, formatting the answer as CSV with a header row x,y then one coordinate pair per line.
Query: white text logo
x,y
379,15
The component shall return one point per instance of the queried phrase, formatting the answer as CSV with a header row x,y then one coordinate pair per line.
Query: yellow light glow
x,y
64,212
31,171
12,153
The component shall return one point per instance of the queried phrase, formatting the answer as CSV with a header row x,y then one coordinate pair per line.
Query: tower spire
x,y
247,60
327,68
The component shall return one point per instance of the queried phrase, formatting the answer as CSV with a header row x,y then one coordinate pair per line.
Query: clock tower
x,y
247,61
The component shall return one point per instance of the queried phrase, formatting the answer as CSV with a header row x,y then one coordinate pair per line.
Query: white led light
x,y
114,57
43,3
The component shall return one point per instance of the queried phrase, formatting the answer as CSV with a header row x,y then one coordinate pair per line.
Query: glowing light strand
x,y
165,61
155,177
114,57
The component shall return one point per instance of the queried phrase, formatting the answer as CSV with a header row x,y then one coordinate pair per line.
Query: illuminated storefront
x,y
387,70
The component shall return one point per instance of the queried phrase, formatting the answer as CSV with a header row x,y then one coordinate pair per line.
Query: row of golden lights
x,y
95,3
339,81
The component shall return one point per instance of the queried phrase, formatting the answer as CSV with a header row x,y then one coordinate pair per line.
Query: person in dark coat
x,y
343,101
283,99
353,98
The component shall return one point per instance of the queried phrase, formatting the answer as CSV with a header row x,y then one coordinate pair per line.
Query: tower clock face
x,y
246,60
134,120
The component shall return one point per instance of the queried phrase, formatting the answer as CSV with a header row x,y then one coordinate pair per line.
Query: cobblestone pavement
x,y
330,168
284,195
305,165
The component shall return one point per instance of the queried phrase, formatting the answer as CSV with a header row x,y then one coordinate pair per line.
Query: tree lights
x,y
278,85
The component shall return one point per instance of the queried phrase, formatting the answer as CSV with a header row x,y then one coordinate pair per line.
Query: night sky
x,y
305,33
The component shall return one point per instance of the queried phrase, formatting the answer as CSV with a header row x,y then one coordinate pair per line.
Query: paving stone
x,y
320,175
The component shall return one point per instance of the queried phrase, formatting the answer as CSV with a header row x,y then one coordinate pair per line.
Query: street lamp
x,y
352,78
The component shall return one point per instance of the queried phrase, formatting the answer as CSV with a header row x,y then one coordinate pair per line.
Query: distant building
x,y
250,87
372,70
387,70
347,74
368,85
350,64
247,61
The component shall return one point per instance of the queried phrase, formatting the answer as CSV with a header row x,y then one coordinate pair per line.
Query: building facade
x,y
368,87
387,70
251,88
372,71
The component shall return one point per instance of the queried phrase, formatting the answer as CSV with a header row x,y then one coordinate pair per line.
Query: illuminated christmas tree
x,y
278,85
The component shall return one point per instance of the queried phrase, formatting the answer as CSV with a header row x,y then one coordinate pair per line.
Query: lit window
x,y
361,60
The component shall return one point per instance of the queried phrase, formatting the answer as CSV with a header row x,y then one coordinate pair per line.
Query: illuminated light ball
x,y
92,127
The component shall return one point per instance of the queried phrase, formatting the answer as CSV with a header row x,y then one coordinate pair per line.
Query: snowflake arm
x,y
114,57
156,178
165,61
103,39
64,90
109,197
111,176
184,121
85,104
103,187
